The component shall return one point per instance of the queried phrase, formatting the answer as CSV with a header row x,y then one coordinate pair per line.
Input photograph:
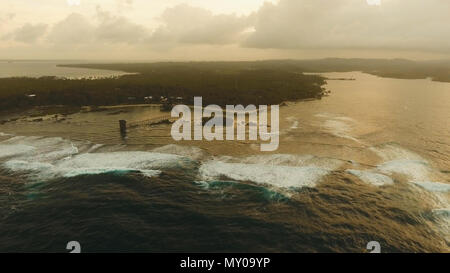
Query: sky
x,y
154,30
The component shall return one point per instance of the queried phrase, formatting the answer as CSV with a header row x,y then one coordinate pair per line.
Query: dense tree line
x,y
438,70
217,84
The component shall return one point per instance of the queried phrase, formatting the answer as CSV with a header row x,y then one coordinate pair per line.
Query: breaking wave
x,y
48,158
372,178
280,170
280,176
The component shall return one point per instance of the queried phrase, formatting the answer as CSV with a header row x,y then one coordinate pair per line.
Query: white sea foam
x,y
444,213
324,115
345,119
15,150
289,160
63,152
47,158
434,186
13,139
38,149
35,141
26,166
421,174
150,173
280,176
444,222
48,171
372,178
93,171
338,125
281,170
414,170
389,152
123,160
188,151
94,147
275,159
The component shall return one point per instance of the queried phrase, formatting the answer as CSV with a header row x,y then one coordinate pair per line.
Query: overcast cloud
x,y
284,25
28,33
395,24
187,24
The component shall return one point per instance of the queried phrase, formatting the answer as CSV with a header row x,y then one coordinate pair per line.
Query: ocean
x,y
370,162
36,69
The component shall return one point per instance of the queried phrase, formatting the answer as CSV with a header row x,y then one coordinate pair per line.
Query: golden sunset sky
x,y
147,30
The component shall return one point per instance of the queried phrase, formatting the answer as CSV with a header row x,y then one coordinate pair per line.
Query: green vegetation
x,y
258,82
225,83
394,68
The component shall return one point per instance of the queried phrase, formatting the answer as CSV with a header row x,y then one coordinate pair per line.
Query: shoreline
x,y
385,68
172,85
37,112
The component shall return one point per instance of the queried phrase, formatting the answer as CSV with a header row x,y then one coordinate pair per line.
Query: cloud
x,y
6,17
394,24
185,24
118,29
282,29
28,33
125,4
77,29
74,29
73,2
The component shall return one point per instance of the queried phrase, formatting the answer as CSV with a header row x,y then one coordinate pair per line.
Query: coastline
x,y
385,68
330,152
172,85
